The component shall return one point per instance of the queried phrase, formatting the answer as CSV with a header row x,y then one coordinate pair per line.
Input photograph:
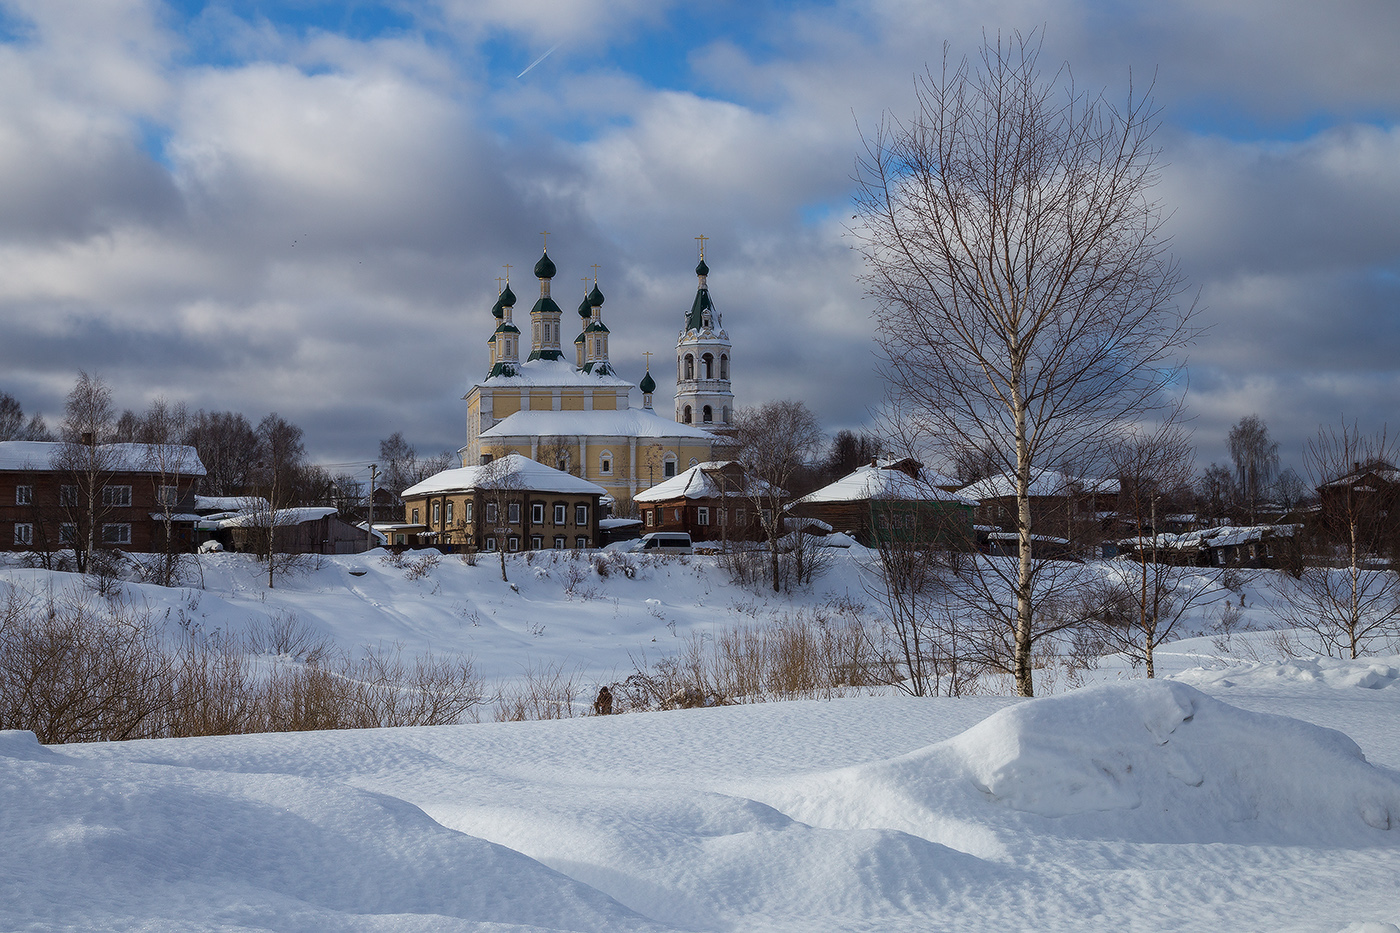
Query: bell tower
x,y
703,351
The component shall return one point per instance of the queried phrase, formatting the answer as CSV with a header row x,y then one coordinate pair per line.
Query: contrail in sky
x,y
538,60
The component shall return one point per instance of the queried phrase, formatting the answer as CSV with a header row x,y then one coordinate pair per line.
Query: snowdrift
x,y
99,845
1143,762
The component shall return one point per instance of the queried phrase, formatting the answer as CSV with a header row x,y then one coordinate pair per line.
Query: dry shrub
x,y
809,654
70,672
547,692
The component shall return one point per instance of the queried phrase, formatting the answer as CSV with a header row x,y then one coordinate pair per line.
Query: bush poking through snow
x,y
74,672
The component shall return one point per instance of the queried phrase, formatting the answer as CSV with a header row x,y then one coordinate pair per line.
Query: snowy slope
x,y
1185,804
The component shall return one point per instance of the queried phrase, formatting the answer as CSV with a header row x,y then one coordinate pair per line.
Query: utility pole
x,y
369,515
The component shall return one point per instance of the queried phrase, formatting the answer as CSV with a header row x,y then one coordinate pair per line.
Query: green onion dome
x,y
544,269
702,269
595,297
585,310
648,384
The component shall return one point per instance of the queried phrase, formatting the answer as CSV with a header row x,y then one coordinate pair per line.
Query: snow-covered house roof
x,y
627,422
886,479
127,458
1381,470
281,517
1044,483
229,503
712,479
1220,536
513,471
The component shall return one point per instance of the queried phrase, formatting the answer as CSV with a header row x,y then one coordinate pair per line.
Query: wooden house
x,y
892,500
126,495
513,503
713,501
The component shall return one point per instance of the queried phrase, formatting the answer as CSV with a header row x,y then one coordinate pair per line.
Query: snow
x,y
624,423
883,482
131,458
1243,792
512,471
1045,483
698,483
553,373
294,516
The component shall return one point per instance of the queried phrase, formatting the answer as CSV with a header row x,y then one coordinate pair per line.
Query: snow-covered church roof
x,y
554,374
626,422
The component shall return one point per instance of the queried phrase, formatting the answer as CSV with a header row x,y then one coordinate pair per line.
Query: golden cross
x,y
595,273
545,234
648,354
498,284
702,238
507,273
585,286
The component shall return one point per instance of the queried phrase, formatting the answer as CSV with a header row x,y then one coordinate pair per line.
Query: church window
x,y
709,414
724,366
668,466
709,360
536,329
686,416
689,366
486,458
605,463
726,414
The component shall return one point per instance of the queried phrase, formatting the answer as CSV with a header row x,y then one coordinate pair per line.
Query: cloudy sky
x,y
303,206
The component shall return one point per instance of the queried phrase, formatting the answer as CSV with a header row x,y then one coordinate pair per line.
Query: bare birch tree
x,y
88,422
1027,302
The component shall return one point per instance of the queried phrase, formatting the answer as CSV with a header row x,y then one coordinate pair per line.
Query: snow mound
x,y
1367,673
93,845
23,745
1146,761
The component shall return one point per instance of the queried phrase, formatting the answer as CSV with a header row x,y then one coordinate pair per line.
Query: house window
x,y
702,515
68,495
116,533
24,495
740,516
467,511
116,495
400,539
492,511
537,513
560,542
581,542
513,543
513,514
67,533
437,513
580,515
415,517
767,516
650,517
24,533
449,512
167,495
560,513
536,542
491,544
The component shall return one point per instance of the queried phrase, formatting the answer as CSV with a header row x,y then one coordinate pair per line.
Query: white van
x,y
667,542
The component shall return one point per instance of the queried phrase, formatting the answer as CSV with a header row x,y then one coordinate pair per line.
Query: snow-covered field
x,y
1224,796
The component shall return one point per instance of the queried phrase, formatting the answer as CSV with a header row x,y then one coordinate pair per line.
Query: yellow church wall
x,y
602,402
572,401
504,404
541,401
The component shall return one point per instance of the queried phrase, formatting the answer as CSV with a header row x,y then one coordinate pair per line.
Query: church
x,y
576,414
